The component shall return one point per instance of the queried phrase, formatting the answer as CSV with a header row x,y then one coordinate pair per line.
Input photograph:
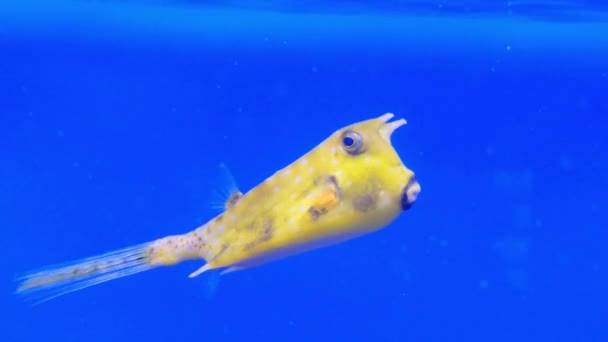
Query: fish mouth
x,y
409,194
387,128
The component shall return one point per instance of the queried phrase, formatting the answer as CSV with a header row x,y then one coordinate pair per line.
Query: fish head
x,y
372,183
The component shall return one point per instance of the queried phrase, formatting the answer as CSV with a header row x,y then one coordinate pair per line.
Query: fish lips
x,y
409,194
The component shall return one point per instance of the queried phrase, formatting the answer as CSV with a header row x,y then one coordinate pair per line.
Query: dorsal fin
x,y
226,192
234,197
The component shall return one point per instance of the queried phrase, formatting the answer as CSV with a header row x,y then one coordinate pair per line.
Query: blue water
x,y
115,115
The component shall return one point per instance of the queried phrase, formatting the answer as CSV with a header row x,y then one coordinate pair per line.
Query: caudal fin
x,y
56,280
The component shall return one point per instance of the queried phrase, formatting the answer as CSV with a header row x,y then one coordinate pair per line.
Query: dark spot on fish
x,y
327,179
334,181
219,218
224,248
364,203
330,180
199,238
316,213
265,234
233,199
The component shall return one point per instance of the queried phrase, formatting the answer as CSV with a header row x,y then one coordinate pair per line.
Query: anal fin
x,y
233,269
205,268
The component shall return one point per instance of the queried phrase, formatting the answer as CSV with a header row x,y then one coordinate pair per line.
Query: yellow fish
x,y
351,184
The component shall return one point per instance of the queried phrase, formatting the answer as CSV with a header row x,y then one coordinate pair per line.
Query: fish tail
x,y
56,280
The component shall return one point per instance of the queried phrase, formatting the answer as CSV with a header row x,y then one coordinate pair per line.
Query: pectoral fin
x,y
326,197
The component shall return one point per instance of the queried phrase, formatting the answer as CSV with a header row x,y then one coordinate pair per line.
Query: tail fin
x,y
56,280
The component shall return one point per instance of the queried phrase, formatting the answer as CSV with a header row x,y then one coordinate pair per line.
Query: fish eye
x,y
352,142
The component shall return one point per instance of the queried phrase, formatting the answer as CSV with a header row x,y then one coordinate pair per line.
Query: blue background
x,y
114,116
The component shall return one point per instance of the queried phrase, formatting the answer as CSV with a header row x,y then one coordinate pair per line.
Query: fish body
x,y
351,184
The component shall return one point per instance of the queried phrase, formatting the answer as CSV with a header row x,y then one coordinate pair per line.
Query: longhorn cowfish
x,y
351,184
